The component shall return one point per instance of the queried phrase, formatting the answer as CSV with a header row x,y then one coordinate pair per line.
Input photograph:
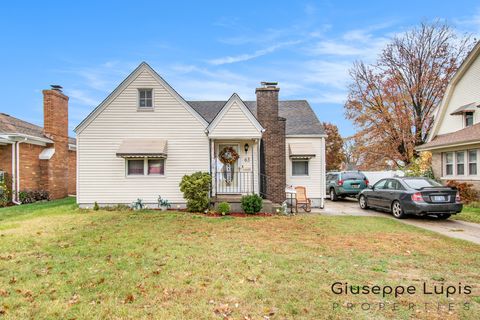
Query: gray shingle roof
x,y
300,117
9,124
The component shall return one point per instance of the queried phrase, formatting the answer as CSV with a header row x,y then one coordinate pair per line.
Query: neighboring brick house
x,y
142,139
454,140
39,158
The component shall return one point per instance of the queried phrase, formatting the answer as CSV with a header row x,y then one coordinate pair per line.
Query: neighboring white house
x,y
455,137
144,137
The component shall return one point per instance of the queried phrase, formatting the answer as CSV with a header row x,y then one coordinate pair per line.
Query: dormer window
x,y
468,119
145,98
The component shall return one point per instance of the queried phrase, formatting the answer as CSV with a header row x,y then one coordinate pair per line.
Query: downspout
x,y
14,175
323,173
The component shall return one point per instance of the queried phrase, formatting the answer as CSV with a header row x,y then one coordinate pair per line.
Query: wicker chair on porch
x,y
301,200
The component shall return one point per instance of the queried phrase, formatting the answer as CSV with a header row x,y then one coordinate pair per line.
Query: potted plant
x,y
163,204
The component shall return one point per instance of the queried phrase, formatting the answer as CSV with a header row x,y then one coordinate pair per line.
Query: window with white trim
x,y
460,159
468,119
472,162
145,167
145,98
299,167
449,164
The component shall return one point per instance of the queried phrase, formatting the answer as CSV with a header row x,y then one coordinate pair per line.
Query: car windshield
x,y
353,176
421,183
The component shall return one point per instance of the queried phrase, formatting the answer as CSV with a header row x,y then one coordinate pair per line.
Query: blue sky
x,y
204,49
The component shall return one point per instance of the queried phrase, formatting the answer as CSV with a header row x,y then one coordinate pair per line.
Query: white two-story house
x,y
455,137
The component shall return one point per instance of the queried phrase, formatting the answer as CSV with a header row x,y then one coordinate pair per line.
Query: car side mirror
x,y
370,187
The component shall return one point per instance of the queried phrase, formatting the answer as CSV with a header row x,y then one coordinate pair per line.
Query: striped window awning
x,y
301,150
141,148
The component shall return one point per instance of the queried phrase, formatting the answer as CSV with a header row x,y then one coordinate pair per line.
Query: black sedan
x,y
411,195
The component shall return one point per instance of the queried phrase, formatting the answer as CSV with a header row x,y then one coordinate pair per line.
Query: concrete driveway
x,y
451,228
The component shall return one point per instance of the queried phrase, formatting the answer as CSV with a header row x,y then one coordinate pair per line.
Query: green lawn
x,y
469,213
57,261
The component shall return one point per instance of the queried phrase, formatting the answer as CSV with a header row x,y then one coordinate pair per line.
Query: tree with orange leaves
x,y
392,101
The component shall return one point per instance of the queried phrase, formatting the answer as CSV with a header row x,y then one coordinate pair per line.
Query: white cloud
x,y
249,56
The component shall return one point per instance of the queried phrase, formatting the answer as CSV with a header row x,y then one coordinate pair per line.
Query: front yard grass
x,y
470,213
57,261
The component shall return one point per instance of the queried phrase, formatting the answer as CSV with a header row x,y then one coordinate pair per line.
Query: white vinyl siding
x,y
102,175
234,124
313,181
465,92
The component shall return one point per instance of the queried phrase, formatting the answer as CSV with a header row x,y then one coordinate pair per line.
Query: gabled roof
x,y
234,98
469,60
468,135
301,119
13,126
142,67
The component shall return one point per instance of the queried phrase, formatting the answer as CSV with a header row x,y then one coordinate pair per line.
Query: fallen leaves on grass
x,y
223,310
74,300
129,298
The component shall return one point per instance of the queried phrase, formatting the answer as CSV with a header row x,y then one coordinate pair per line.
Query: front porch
x,y
235,167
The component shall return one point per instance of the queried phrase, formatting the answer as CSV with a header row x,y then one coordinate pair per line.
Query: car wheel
x,y
333,195
444,216
397,210
362,202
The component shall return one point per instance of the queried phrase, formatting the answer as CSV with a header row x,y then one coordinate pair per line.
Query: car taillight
x,y
457,197
340,182
417,197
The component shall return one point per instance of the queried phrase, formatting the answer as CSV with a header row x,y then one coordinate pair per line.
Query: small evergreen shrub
x,y
96,207
138,204
252,203
195,188
224,208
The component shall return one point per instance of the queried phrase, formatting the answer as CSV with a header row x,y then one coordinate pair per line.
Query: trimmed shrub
x,y
252,203
224,208
467,193
195,188
96,207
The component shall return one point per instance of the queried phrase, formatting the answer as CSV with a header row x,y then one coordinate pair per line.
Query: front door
x,y
227,172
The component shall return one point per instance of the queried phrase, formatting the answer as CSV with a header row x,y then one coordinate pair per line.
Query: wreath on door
x,y
228,155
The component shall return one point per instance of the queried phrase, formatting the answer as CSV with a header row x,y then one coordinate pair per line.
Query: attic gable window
x,y
145,98
468,119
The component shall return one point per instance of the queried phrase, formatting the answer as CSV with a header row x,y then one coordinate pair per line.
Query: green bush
x,y
31,196
5,190
96,207
195,188
252,203
224,208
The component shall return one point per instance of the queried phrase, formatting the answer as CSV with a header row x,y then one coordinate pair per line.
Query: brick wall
x,y
273,141
30,172
55,112
72,172
437,164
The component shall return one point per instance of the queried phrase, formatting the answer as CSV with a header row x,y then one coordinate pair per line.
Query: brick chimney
x,y
272,155
55,127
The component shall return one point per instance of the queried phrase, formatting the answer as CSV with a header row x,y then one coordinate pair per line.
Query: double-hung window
x,y
472,162
145,98
145,167
460,159
449,164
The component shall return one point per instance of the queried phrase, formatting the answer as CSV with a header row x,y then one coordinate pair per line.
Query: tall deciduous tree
x,y
333,147
392,101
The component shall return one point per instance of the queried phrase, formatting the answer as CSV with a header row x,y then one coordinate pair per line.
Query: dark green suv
x,y
345,184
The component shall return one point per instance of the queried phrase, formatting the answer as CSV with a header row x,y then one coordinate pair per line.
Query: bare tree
x,y
392,101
